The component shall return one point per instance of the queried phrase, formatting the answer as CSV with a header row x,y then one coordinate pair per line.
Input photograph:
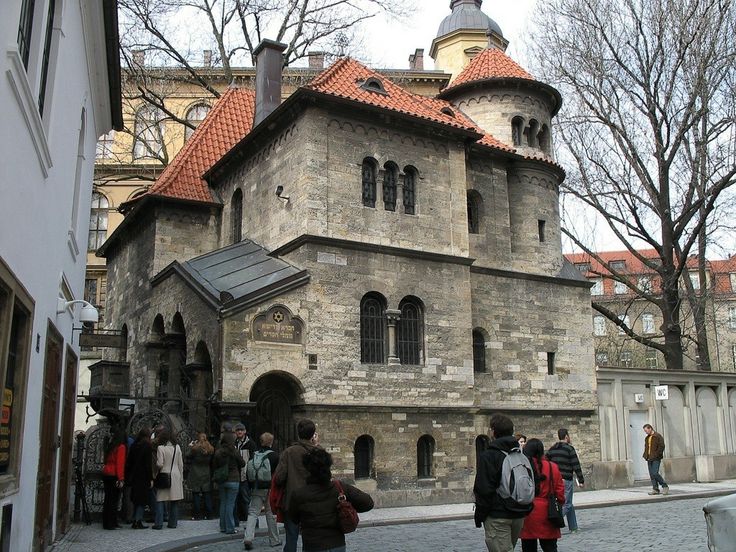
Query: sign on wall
x,y
277,325
661,392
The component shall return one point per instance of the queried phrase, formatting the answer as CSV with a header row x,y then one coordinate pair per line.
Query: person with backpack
x,y
504,487
537,526
563,454
259,471
227,464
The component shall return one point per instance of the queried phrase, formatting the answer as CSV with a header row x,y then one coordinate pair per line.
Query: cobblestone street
x,y
677,526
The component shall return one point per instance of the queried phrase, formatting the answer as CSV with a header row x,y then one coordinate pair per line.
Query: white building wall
x,y
38,174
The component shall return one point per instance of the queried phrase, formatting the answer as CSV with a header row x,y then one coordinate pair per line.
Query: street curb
x,y
187,544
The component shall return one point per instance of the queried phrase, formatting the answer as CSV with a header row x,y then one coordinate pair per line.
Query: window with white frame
x,y
645,284
625,319
647,323
97,222
599,325
625,359
732,318
597,288
618,266
104,145
619,288
650,358
148,141
195,116
601,358
694,279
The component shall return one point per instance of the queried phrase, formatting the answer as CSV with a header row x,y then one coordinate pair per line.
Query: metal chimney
x,y
269,62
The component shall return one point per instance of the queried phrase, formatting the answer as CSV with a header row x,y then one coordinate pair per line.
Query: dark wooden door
x,y
67,443
273,414
48,440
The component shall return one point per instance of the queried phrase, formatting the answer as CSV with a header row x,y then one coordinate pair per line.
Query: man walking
x,y
563,454
259,470
653,453
291,473
246,447
502,526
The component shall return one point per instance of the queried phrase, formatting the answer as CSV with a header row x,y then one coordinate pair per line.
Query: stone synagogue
x,y
385,263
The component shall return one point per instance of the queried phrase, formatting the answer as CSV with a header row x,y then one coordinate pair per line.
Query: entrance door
x,y
67,442
636,443
48,440
274,395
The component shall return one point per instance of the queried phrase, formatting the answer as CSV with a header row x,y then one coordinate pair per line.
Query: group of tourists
x,y
521,492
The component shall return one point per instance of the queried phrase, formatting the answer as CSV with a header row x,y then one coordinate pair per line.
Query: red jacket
x,y
115,463
536,525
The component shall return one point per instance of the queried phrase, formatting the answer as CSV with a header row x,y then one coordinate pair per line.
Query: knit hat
x,y
239,427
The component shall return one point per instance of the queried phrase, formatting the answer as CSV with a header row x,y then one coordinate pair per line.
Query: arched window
x,y
409,190
479,351
363,453
409,335
195,115
97,222
517,130
372,329
370,169
474,210
149,133
425,456
532,134
390,177
543,138
482,442
236,217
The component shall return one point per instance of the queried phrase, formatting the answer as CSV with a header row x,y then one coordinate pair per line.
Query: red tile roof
x,y
491,63
226,124
345,77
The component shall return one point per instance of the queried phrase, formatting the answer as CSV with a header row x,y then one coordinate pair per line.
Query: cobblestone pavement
x,y
677,526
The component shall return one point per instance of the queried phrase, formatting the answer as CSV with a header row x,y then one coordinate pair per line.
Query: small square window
x,y
617,266
312,360
601,358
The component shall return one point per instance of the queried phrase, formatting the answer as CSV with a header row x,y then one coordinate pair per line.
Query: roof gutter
x,y
112,47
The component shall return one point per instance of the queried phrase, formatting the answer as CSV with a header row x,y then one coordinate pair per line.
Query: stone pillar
x,y
392,316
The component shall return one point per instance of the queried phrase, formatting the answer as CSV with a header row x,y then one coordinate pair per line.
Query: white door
x,y
636,443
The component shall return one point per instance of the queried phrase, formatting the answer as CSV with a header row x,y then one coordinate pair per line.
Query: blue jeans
x,y
173,513
197,506
138,513
568,510
228,492
657,479
291,530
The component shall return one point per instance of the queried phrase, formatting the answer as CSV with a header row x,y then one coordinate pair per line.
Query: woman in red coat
x,y
113,477
536,524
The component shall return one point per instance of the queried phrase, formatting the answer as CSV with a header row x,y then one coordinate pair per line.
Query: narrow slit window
x,y
369,182
541,230
390,176
550,363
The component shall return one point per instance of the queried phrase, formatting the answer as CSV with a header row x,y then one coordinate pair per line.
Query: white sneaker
x,y
665,490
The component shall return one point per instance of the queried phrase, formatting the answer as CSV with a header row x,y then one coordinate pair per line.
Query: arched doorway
x,y
274,395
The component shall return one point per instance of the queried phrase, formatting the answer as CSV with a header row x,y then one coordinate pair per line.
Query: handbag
x,y
163,479
554,508
347,516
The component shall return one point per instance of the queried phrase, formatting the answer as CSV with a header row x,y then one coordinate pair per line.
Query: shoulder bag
x,y
163,479
347,516
554,509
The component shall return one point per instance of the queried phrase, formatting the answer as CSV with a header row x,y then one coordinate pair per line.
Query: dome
x,y
466,15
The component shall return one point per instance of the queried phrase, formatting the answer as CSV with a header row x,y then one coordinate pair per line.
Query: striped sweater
x,y
564,455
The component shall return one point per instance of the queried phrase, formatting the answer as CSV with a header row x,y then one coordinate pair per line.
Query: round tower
x,y
508,103
462,35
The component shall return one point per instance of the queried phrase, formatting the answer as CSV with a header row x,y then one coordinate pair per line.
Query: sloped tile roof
x,y
226,124
345,77
491,63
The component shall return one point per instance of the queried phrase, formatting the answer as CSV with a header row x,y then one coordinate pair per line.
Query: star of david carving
x,y
278,317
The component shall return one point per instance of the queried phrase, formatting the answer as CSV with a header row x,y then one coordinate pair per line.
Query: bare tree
x,y
649,135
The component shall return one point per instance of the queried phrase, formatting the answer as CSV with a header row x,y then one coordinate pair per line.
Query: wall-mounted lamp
x,y
279,191
87,314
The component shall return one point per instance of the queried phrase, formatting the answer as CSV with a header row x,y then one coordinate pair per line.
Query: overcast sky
x,y
391,46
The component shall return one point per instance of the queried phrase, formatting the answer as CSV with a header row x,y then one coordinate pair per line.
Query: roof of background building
x,y
467,15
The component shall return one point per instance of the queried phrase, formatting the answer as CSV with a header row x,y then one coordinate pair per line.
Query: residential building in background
x,y
60,91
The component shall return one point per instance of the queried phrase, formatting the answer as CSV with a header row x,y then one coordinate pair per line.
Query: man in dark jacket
x,y
653,453
246,447
502,526
564,455
292,474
